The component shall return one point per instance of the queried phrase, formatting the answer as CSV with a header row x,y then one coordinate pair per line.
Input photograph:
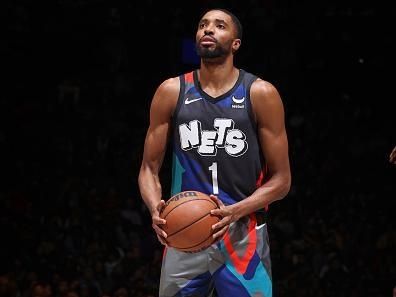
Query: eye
x,y
220,26
201,25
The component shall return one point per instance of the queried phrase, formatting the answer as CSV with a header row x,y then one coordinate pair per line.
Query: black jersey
x,y
215,145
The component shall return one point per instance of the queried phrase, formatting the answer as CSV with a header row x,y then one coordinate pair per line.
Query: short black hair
x,y
235,20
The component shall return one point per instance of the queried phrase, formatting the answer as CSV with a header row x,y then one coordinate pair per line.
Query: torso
x,y
215,145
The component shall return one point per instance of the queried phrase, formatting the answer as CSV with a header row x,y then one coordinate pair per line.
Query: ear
x,y
235,45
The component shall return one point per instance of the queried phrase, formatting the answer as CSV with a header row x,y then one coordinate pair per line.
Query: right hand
x,y
157,221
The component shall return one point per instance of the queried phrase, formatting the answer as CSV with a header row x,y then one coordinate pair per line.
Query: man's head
x,y
219,34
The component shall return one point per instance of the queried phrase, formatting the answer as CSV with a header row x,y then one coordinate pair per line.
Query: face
x,y
216,35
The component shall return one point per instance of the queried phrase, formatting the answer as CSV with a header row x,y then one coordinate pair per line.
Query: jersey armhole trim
x,y
179,99
251,80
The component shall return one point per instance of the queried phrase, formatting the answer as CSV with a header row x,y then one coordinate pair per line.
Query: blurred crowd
x,y
72,220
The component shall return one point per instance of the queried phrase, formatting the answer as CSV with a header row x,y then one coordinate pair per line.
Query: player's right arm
x,y
161,111
392,156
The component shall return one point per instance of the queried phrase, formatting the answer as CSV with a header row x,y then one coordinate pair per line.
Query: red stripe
x,y
189,77
164,252
261,179
241,263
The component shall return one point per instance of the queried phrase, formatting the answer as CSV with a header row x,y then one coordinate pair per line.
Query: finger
x,y
158,221
219,212
162,240
216,200
219,234
220,224
159,231
160,205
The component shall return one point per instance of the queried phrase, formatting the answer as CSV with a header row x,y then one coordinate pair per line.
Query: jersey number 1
x,y
215,184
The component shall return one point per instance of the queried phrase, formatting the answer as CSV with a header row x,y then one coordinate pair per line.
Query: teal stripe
x,y
260,283
177,174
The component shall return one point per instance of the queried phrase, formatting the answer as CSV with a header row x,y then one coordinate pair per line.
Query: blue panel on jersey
x,y
199,286
229,285
260,283
224,103
239,93
193,91
190,178
251,269
225,197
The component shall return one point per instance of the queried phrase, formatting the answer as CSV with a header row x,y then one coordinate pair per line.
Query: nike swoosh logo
x,y
238,101
188,101
260,226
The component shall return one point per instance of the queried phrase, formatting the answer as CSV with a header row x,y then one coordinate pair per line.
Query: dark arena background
x,y
78,78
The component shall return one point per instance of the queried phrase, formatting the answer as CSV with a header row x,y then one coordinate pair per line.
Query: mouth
x,y
207,41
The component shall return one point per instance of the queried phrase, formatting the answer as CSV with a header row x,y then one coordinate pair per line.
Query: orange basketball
x,y
188,221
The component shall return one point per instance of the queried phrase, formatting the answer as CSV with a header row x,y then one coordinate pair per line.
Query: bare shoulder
x,y
262,90
169,89
265,99
171,86
166,95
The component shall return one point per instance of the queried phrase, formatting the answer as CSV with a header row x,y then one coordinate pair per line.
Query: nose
x,y
208,32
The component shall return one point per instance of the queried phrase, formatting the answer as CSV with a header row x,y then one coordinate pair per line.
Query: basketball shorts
x,y
238,265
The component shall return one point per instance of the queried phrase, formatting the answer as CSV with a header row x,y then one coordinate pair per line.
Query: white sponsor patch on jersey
x,y
238,101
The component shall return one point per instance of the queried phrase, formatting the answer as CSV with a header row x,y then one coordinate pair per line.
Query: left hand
x,y
227,218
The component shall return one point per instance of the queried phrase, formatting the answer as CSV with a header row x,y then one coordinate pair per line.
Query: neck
x,y
215,73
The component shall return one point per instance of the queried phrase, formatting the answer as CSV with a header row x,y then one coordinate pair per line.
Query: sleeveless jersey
x,y
215,144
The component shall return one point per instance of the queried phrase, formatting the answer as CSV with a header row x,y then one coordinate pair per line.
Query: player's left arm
x,y
269,115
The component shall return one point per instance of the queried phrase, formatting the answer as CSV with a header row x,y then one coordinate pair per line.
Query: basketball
x,y
188,221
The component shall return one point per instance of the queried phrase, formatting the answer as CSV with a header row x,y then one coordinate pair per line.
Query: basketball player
x,y
228,134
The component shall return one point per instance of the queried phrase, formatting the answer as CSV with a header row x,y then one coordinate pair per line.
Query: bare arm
x,y
392,156
269,115
162,107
